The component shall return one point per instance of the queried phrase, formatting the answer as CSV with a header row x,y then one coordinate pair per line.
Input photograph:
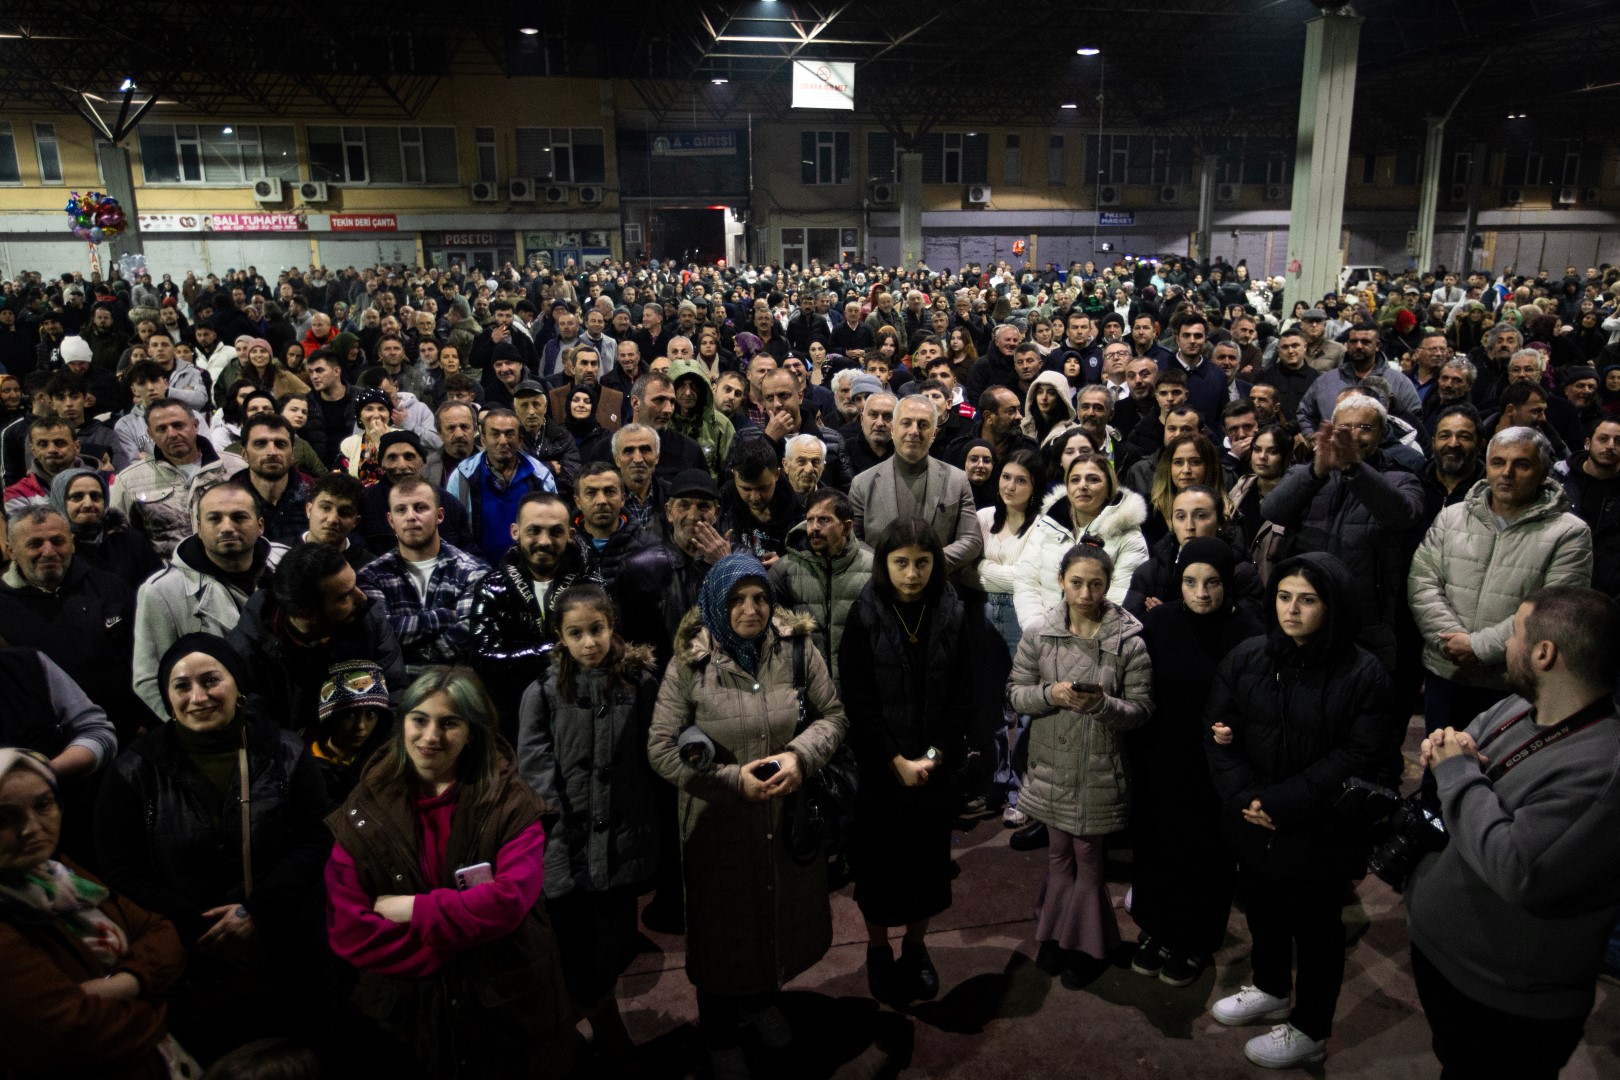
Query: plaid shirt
x,y
437,630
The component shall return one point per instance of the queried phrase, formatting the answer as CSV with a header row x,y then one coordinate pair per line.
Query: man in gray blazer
x,y
912,484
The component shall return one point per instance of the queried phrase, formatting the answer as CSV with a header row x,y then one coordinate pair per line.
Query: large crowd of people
x,y
383,647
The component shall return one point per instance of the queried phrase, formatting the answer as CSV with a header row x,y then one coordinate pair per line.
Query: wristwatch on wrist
x,y
932,753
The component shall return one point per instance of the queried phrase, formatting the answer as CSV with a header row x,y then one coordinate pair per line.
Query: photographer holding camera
x,y
1509,922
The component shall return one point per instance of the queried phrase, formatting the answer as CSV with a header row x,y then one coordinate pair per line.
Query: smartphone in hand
x,y
766,770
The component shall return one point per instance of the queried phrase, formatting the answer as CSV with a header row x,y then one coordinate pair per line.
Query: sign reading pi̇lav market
x,y
823,84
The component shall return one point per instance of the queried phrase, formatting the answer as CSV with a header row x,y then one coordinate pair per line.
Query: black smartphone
x,y
767,769
1088,688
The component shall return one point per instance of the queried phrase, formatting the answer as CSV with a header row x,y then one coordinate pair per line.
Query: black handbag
x,y
820,813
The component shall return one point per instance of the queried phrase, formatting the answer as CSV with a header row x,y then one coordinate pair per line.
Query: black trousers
x,y
1476,1041
1289,917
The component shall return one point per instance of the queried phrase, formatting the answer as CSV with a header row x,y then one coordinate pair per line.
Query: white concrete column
x,y
1321,156
120,184
1206,207
911,242
1429,192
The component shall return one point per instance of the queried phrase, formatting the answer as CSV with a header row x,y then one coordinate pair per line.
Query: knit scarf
x,y
52,891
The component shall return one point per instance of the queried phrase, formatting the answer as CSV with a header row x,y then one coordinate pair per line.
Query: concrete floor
x,y
998,1015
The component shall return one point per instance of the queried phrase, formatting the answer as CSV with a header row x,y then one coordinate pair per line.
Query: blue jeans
x,y
1010,763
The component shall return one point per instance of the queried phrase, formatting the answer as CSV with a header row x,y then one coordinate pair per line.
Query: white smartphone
x,y
476,874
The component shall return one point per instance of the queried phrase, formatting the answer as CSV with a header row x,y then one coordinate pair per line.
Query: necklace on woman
x,y
911,635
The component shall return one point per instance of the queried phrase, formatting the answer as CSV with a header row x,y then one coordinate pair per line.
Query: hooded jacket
x,y
1304,720
708,427
586,756
822,588
1078,780
1065,406
1119,526
1470,575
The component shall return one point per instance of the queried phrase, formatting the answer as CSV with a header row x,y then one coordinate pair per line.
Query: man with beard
x,y
512,631
54,450
205,585
1591,481
1509,921
652,403
627,367
1080,342
1000,424
824,570
425,585
608,534
280,489
399,453
458,431
1141,376
545,437
1145,340
1454,465
660,583
490,484
501,334
1490,359
1361,359
996,367
312,615
782,398
1510,536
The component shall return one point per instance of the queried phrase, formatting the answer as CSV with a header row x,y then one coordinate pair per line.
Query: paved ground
x,y
999,1016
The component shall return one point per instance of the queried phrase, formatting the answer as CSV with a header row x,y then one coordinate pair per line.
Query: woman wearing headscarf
x,y
756,916
905,665
102,535
1293,715
169,833
86,972
1182,871
433,894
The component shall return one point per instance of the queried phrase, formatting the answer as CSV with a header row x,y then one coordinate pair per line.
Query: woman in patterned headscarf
x,y
755,915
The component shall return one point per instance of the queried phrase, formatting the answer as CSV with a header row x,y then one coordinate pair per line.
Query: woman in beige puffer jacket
x,y
1082,673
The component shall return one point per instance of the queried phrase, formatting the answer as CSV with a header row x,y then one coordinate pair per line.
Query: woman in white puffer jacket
x,y
1091,503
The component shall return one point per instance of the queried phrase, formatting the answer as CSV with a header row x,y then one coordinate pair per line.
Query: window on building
x,y
1369,169
951,165
1462,164
9,172
882,156
1108,159
1408,163
383,155
562,155
50,153
802,245
955,157
337,155
824,157
484,141
1012,161
216,154
1057,161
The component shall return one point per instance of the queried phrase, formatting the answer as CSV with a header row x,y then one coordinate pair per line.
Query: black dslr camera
x,y
1406,829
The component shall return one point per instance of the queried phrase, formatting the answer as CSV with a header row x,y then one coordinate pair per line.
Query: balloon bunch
x,y
95,217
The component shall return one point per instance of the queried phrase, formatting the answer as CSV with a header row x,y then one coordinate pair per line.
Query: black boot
x,y
881,979
1031,837
919,971
1049,958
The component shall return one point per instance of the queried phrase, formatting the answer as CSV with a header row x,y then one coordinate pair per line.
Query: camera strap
x,y
1543,738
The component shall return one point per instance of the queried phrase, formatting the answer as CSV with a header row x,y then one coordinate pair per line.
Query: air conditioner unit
x,y
1276,192
520,190
1227,192
267,190
556,193
1459,193
1108,195
978,195
592,193
1170,193
882,193
1590,195
1513,196
484,191
1567,196
313,191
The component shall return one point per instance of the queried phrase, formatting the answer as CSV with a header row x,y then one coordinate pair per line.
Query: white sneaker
x,y
1283,1047
1250,1005
1013,818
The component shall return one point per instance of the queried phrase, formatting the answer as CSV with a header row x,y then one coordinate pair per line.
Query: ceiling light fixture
x,y
718,81
1069,105
529,31
126,86
227,129
1087,51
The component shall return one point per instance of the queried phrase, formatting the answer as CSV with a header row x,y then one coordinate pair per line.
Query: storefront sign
x,y
1117,217
363,223
463,239
823,84
695,144
161,223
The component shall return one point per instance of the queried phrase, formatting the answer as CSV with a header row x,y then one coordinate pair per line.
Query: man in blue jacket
x,y
490,484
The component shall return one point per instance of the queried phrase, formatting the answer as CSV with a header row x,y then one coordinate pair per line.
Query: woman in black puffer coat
x,y
1293,715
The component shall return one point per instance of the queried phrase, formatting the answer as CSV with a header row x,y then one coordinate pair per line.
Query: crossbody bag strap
x,y
247,818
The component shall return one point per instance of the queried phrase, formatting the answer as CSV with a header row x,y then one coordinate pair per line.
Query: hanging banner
x,y
363,222
823,84
161,223
1117,218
